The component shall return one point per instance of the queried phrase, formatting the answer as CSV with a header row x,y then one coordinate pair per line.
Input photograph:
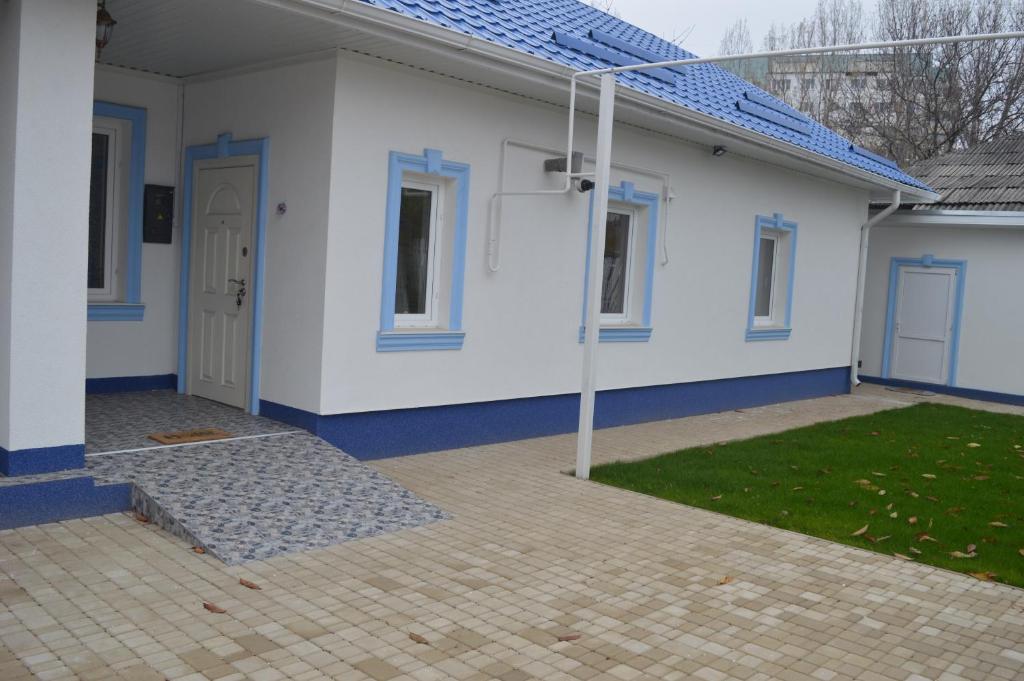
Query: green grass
x,y
945,472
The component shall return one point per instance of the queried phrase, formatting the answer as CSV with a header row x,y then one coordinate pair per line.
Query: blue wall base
x,y
41,460
968,393
382,434
49,501
125,384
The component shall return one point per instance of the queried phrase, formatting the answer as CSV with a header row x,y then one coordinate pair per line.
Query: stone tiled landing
x,y
256,498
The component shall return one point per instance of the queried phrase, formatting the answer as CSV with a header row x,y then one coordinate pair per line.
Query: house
x,y
339,257
943,309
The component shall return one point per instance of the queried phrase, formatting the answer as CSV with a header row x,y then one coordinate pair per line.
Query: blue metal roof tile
x,y
528,26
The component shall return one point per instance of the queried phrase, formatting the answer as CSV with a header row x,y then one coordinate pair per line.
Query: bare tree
x,y
908,104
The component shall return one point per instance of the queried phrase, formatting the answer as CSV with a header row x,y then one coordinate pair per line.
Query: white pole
x,y
592,320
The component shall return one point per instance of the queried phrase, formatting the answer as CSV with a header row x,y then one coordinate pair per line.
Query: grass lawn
x,y
936,484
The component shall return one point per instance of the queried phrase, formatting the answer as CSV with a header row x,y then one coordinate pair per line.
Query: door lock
x,y
240,292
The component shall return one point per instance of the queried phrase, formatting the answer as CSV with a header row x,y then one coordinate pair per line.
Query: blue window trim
x,y
626,193
131,309
225,147
432,162
926,260
765,333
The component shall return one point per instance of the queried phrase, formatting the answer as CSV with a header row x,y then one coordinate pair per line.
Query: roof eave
x,y
387,22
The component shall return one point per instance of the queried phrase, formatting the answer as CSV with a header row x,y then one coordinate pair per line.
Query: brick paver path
x,y
530,555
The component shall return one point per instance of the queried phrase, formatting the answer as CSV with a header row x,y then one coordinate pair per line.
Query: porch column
x,y
47,54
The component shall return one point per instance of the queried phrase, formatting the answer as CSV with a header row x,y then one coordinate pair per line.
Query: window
x,y
424,253
116,187
106,192
771,287
419,230
627,280
618,252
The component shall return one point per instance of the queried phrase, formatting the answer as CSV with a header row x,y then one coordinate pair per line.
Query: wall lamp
x,y
104,26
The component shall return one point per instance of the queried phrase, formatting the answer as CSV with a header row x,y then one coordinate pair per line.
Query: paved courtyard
x,y
644,589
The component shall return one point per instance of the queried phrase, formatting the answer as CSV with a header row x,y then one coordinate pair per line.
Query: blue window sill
x,y
116,312
621,334
768,334
411,341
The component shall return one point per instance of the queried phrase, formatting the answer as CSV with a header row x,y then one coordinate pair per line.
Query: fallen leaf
x,y
960,554
214,608
889,507
250,585
862,482
935,499
796,489
141,518
716,498
1020,551
981,478
417,638
996,523
883,538
902,557
924,536
725,580
916,552
874,433
862,531
983,576
913,493
971,548
930,476
912,520
973,445
881,475
881,492
198,549
570,637
952,437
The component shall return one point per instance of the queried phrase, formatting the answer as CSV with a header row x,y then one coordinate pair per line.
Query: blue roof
x,y
582,37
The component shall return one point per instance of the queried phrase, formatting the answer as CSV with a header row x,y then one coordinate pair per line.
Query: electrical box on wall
x,y
157,214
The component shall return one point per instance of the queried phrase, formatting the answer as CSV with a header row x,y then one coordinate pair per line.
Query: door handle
x,y
240,293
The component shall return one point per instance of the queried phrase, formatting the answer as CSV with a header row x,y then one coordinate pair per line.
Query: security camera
x,y
585,186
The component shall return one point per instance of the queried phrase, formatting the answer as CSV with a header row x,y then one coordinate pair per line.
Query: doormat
x,y
186,436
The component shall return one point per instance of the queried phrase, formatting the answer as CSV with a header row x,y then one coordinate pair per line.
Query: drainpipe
x,y
862,267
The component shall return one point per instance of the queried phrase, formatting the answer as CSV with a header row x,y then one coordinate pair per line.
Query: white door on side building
x,y
220,279
925,303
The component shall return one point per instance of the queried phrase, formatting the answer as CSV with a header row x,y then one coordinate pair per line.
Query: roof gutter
x,y
447,42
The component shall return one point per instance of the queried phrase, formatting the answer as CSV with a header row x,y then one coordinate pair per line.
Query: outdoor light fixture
x,y
104,26
719,150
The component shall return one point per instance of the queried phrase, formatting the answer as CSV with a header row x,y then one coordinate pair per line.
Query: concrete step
x,y
35,499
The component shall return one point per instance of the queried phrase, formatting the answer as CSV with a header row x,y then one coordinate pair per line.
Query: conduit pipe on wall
x,y
862,268
494,220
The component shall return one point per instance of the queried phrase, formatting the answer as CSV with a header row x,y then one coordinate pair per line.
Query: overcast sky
x,y
710,18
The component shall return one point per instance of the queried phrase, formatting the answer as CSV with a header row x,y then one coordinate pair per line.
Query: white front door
x,y
220,280
925,299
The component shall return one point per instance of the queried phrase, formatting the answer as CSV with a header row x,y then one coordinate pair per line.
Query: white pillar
x,y
47,55
592,321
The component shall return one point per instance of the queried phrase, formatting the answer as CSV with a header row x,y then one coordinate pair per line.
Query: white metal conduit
x,y
494,208
602,172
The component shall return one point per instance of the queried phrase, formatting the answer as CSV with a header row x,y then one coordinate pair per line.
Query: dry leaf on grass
x,y
860,531
413,636
1020,551
902,557
214,608
981,478
961,554
924,536
569,637
930,476
984,576
249,585
971,548
716,497
996,523
796,489
916,552
725,580
973,445
912,520
881,475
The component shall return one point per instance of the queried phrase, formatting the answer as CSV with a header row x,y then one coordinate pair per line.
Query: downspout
x,y
862,267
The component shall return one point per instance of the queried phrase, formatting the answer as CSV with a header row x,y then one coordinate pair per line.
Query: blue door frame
x,y
926,260
224,147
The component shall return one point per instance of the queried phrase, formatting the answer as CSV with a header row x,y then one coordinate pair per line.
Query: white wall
x,y
993,315
46,64
149,347
292,105
522,323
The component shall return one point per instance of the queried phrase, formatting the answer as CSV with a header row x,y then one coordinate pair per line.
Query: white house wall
x,y
522,323
292,105
993,313
148,347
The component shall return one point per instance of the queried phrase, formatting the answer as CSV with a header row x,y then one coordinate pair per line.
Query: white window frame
x,y
770,320
429,318
617,319
116,132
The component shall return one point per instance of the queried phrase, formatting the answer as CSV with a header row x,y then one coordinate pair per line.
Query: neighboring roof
x,y
988,176
584,38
